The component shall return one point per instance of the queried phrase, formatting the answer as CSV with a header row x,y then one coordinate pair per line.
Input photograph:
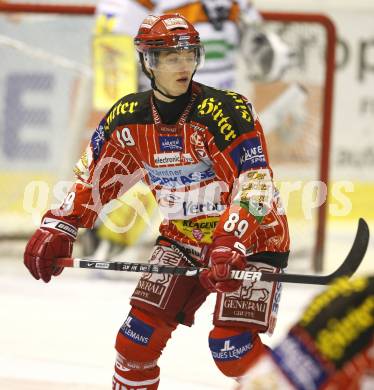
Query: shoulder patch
x,y
98,139
121,108
133,108
249,154
242,106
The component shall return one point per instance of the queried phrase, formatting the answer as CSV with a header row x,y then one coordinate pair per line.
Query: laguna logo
x,y
171,144
253,154
249,154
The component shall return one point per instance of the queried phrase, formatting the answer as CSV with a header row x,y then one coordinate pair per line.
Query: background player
x,y
330,347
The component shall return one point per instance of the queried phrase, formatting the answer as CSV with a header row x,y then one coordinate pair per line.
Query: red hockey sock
x,y
136,379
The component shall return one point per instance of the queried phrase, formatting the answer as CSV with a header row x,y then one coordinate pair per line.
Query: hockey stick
x,y
348,267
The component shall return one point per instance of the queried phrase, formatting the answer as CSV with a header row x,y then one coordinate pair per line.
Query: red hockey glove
x,y
225,254
45,245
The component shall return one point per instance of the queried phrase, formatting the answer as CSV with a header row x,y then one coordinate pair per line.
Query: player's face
x,y
174,71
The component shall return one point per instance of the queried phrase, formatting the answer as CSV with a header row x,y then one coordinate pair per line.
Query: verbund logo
x,y
171,144
193,208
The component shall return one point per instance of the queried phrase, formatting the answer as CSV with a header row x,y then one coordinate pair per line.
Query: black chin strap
x,y
155,88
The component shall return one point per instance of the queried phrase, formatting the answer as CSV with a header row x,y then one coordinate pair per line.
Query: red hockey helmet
x,y
171,32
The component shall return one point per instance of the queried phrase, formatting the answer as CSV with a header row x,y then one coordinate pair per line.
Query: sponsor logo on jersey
x,y
255,192
249,154
182,180
187,158
193,208
97,140
136,330
167,171
173,158
167,129
207,223
187,174
171,144
210,106
201,230
229,124
230,348
122,108
197,234
82,168
242,106
167,158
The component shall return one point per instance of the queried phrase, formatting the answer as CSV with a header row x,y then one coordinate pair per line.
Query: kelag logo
x,y
171,144
249,154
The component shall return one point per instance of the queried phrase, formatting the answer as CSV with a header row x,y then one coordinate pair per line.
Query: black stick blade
x,y
348,267
357,252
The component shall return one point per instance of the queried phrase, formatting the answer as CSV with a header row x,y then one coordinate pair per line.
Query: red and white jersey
x,y
216,21
209,172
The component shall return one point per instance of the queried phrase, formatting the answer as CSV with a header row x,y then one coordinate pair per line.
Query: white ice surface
x,y
64,332
61,335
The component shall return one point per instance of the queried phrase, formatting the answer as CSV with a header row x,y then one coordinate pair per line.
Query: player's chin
x,y
182,83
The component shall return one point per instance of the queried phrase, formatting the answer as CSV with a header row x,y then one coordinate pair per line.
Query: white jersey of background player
x,y
226,26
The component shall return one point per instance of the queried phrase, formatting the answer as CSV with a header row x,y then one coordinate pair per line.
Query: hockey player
x,y
228,28
330,347
202,151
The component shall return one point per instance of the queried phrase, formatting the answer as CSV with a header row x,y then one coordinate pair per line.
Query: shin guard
x,y
139,344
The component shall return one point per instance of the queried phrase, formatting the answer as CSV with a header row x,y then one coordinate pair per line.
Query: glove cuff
x,y
59,226
230,241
